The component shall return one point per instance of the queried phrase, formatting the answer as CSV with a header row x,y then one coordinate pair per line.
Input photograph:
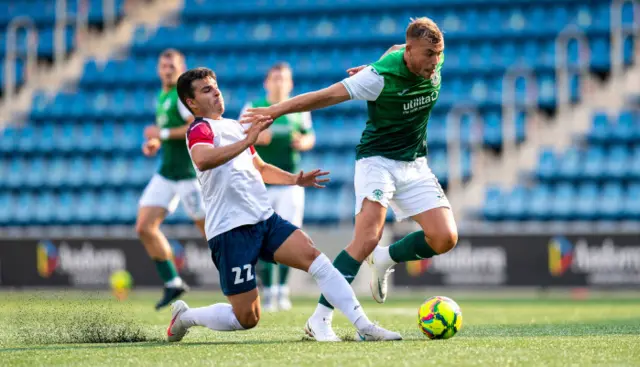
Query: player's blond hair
x,y
424,28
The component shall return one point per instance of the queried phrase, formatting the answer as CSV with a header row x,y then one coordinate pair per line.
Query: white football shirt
x,y
234,194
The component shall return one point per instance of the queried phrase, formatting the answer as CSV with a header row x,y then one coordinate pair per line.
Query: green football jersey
x,y
176,163
397,120
279,152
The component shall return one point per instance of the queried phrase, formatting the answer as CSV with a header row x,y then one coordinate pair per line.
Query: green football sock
x,y
411,247
347,266
283,274
266,273
166,270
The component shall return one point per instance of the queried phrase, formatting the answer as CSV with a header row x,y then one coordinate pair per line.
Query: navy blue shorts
x,y
236,252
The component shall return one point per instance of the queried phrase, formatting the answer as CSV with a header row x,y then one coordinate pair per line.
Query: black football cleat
x,y
170,294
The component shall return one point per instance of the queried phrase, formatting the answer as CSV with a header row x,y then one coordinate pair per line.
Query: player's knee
x,y
248,318
310,252
144,229
367,242
443,241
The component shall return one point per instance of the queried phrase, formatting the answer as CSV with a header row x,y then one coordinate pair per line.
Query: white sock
x,y
269,293
283,291
218,317
174,283
382,256
337,290
323,312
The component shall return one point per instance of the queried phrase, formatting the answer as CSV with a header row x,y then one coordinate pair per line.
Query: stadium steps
x,y
558,133
100,46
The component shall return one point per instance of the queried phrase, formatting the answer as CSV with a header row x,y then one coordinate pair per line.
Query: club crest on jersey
x,y
377,194
435,78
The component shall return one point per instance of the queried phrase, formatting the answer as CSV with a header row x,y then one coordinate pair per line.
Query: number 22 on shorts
x,y
238,272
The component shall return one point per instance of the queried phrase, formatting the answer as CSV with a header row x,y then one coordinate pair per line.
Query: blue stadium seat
x,y
629,123
44,208
139,173
45,143
132,136
563,202
632,202
105,211
600,54
96,172
625,129
89,138
4,172
8,139
593,163
311,211
65,138
17,167
628,50
86,137
127,207
106,140
634,165
516,203
346,203
539,203
86,207
618,162
493,204
439,164
326,206
6,214
547,164
587,199
492,129
599,131
76,171
570,164
35,176
118,171
24,213
27,142
612,201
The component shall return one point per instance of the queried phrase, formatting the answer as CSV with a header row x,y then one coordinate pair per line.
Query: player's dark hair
x,y
172,52
185,83
278,67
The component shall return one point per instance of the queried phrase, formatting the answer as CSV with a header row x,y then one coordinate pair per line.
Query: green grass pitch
x,y
94,329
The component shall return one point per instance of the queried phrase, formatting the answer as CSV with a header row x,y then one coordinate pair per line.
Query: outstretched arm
x,y
365,86
275,176
337,93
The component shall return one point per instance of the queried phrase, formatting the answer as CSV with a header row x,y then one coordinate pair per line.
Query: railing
x,y
60,46
565,69
81,23
454,145
619,32
511,106
11,57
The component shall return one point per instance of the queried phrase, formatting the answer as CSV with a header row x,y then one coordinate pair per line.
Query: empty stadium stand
x,y
78,159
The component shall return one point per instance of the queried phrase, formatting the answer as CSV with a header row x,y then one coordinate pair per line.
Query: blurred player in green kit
x,y
175,180
280,145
